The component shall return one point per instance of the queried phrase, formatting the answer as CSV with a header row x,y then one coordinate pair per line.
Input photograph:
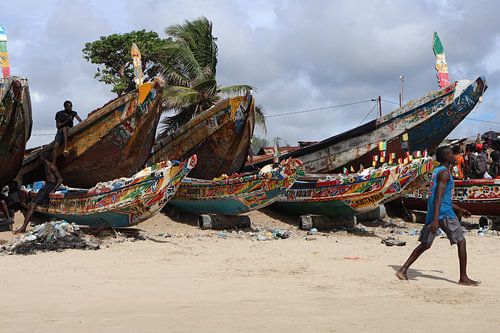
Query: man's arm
x,y
443,178
61,124
78,117
460,210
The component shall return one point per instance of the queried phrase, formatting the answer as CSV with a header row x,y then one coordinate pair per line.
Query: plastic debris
x,y
414,232
391,241
52,236
222,234
313,231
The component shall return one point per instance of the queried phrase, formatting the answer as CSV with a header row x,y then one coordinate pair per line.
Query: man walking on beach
x,y
53,181
64,121
440,214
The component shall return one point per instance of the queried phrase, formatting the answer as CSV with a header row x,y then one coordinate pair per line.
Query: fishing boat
x,y
15,125
119,203
219,136
237,194
114,141
479,196
421,124
343,195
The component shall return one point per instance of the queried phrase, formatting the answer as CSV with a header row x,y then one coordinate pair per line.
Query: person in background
x,y
458,168
479,164
4,203
64,121
495,164
468,157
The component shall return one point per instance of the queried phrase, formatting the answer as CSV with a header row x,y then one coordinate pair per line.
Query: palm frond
x,y
260,118
230,91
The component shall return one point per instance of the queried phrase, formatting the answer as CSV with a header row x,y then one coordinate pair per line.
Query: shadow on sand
x,y
415,274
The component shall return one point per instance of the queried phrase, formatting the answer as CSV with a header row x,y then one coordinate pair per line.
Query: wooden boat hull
x,y
15,125
421,124
479,196
220,137
121,203
237,195
350,195
114,141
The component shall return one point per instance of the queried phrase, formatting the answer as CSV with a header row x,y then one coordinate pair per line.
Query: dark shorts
x,y
43,194
60,137
451,227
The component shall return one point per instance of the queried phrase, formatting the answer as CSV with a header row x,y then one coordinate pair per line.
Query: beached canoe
x,y
421,124
342,195
120,203
219,136
479,196
15,125
114,141
237,194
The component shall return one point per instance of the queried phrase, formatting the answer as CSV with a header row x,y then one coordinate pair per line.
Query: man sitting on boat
x,y
53,181
64,121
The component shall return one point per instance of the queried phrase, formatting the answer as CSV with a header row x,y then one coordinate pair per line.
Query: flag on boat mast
x,y
441,65
136,58
4,56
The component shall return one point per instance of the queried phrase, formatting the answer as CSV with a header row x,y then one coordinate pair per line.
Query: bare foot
x,y
401,275
66,152
468,282
19,231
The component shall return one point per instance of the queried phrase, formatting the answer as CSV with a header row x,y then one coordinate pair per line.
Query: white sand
x,y
336,283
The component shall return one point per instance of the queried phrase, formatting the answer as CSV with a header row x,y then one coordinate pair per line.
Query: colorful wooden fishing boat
x,y
479,196
342,195
422,124
237,194
114,141
219,136
120,203
15,125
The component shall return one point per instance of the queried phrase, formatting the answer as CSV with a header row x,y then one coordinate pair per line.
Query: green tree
x,y
190,67
112,55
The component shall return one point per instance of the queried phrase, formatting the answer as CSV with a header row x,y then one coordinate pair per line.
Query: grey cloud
x,y
298,54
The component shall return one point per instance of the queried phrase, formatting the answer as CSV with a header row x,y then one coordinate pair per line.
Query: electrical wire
x,y
316,109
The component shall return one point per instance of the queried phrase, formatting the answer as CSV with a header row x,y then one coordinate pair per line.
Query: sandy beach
x,y
194,281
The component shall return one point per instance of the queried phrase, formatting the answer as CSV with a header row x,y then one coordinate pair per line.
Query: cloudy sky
x,y
299,55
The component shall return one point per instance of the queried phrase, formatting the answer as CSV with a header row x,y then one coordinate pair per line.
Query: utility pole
x,y
379,99
402,79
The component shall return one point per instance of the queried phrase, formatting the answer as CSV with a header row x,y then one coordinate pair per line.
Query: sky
x,y
298,55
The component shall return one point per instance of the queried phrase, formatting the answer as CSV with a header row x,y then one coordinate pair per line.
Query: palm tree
x,y
190,71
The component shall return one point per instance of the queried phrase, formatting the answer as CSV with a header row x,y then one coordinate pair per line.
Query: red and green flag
x,y
441,65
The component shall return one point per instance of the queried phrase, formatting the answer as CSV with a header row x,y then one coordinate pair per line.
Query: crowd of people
x,y
476,161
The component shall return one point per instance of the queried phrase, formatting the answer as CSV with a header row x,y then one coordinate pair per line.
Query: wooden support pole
x,y
321,222
221,222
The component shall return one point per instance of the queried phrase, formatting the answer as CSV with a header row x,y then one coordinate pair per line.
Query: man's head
x,y
445,155
479,147
456,150
68,106
485,146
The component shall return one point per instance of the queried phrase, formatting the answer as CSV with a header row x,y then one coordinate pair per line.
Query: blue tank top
x,y
446,209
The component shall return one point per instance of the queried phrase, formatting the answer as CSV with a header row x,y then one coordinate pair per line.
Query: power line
x,y
392,102
484,121
317,109
373,108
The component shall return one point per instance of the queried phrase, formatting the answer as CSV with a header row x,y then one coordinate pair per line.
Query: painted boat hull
x,y
220,137
130,202
426,122
236,195
15,125
479,196
114,141
350,195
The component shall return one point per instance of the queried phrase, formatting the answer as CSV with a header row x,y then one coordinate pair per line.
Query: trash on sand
x,y
313,231
222,234
52,236
414,232
390,241
483,230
